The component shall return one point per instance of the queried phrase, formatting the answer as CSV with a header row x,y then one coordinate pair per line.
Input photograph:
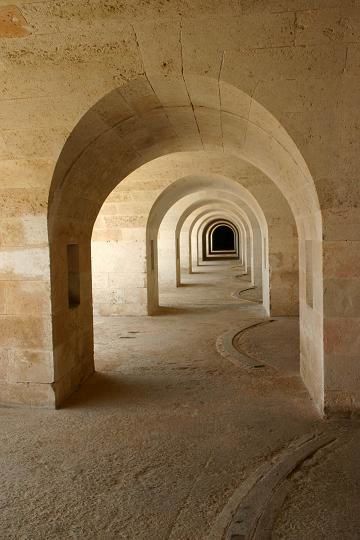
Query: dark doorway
x,y
222,239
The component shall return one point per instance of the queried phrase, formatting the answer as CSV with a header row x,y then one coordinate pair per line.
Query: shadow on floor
x,y
114,389
200,308
197,285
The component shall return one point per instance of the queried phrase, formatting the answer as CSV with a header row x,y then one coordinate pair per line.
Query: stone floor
x,y
274,343
156,443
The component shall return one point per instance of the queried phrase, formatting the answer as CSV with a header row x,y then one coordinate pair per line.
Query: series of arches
x,y
140,128
110,150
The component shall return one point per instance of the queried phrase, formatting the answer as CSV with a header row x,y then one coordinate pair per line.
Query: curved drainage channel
x,y
225,347
253,508
238,292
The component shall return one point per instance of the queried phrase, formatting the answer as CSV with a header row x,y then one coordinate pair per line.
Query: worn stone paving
x,y
274,343
323,497
153,446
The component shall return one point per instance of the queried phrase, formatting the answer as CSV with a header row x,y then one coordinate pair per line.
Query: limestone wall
x,y
118,265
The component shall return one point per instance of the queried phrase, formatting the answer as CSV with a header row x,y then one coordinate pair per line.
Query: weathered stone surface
x,y
12,23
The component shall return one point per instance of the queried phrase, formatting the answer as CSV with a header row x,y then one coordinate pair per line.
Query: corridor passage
x,y
154,445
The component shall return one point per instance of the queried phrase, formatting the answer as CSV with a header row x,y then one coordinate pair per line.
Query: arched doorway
x,y
112,153
223,189
222,239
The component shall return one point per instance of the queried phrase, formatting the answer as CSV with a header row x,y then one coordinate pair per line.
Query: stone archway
x,y
222,237
202,188
109,146
201,219
196,211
